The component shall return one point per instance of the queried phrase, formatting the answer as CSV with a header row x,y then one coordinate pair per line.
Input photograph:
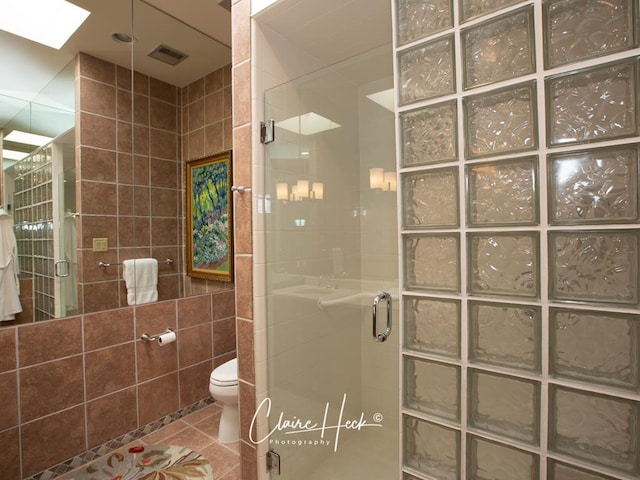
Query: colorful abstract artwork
x,y
209,218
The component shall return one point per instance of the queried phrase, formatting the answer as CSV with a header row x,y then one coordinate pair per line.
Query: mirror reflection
x,y
97,174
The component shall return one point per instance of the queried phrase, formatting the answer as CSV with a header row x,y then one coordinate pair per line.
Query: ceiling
x,y
199,28
331,30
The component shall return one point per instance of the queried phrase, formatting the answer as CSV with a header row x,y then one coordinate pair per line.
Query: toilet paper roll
x,y
166,338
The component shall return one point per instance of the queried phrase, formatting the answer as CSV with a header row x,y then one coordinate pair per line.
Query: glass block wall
x,y
33,224
518,150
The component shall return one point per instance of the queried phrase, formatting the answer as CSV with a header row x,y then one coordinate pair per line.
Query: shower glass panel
x,y
331,247
64,224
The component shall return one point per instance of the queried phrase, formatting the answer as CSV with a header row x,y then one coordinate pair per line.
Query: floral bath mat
x,y
149,462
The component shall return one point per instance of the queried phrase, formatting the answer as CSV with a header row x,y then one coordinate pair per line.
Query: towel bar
x,y
103,265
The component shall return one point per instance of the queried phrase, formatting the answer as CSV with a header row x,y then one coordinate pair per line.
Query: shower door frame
x,y
358,297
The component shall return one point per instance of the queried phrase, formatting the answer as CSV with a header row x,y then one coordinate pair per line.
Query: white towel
x,y
9,270
141,279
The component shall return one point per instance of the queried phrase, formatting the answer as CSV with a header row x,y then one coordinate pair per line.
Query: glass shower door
x,y
64,226
332,273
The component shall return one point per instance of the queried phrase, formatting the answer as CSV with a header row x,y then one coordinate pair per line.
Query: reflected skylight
x,y
27,138
13,155
307,124
384,98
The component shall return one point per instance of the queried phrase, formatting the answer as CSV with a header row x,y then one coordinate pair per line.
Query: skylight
x,y
307,124
49,22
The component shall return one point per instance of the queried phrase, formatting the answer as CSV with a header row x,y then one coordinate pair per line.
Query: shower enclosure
x,y
518,146
39,190
332,271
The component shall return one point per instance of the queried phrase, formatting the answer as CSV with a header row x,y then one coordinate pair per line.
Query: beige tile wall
x,y
72,384
242,124
130,186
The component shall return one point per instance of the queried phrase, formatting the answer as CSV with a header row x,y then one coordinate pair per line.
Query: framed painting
x,y
209,241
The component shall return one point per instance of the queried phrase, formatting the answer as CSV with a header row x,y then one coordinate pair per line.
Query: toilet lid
x,y
226,374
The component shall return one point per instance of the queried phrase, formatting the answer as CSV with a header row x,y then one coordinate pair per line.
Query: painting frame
x,y
209,217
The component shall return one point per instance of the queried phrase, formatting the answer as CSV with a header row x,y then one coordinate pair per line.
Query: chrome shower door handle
x,y
381,337
61,272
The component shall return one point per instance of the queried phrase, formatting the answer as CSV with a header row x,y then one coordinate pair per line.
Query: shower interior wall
x,y
278,62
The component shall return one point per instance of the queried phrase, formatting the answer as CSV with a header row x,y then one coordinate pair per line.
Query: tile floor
x,y
198,431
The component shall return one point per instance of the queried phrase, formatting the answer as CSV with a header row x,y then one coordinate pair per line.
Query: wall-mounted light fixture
x,y
376,178
299,191
302,187
381,180
282,191
317,191
389,183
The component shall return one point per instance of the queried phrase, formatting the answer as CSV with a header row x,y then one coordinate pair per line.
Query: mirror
x,y
101,186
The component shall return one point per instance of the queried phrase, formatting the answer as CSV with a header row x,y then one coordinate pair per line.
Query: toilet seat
x,y
225,375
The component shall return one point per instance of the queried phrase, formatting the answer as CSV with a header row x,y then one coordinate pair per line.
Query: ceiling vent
x,y
167,55
225,4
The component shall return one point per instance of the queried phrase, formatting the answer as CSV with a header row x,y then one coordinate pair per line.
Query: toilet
x,y
223,386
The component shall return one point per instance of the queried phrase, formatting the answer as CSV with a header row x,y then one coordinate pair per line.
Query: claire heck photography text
x,y
323,430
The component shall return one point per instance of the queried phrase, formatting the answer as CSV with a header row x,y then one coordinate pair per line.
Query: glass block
x,y
475,8
432,388
597,428
501,121
504,264
419,19
431,449
503,193
492,461
429,134
581,29
505,335
596,347
427,71
424,270
594,186
560,471
499,49
507,406
430,198
592,105
598,266
406,476
432,326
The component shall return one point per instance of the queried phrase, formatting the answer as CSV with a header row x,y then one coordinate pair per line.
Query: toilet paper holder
x,y
145,337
